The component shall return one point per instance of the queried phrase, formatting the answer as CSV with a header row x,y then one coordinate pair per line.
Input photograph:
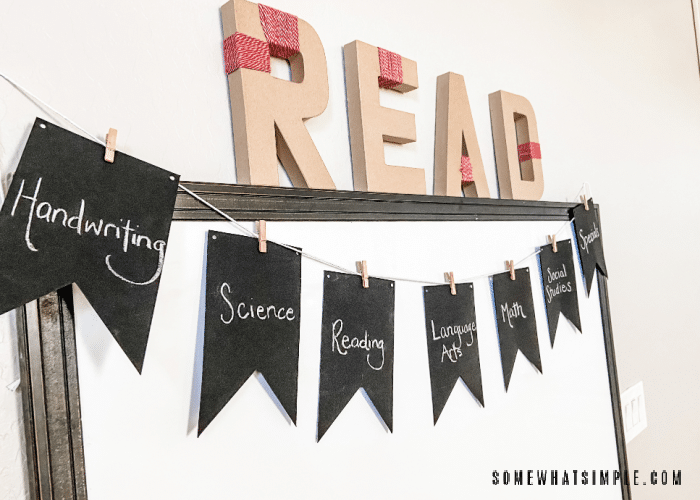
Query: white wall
x,y
614,84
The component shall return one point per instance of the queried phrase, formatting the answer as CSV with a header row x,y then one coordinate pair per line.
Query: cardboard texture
x,y
372,124
455,136
268,113
515,320
453,346
512,123
357,346
559,285
251,321
589,241
70,217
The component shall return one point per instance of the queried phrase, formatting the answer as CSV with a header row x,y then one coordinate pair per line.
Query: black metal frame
x,y
49,376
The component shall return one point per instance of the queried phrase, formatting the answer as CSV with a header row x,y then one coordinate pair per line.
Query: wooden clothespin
x,y
362,269
584,200
511,269
450,278
553,241
111,145
262,236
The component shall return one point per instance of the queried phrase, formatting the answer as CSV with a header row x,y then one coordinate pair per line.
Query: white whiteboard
x,y
140,431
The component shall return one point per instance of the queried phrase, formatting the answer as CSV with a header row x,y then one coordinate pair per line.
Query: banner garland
x,y
70,217
453,345
515,320
251,322
514,297
357,346
559,285
590,243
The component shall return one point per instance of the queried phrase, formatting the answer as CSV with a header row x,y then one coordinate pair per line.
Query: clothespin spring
x,y
362,269
262,236
450,278
111,146
511,268
584,200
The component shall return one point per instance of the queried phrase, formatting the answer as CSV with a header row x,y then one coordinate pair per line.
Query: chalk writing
x,y
249,311
586,240
455,351
514,311
43,210
345,343
561,287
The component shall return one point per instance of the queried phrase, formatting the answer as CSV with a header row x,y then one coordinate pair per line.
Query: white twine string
x,y
247,232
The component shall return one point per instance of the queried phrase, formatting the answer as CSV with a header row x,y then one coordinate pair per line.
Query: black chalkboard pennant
x,y
590,243
515,320
70,217
357,346
251,321
453,346
559,285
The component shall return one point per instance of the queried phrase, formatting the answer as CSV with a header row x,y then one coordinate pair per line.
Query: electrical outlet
x,y
634,415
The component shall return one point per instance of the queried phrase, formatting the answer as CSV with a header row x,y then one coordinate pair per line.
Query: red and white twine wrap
x,y
281,32
528,151
466,169
243,51
390,69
